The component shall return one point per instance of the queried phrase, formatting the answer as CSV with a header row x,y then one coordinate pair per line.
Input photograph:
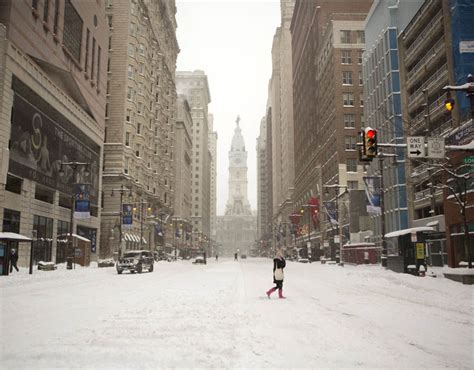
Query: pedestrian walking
x,y
279,264
235,256
13,260
217,257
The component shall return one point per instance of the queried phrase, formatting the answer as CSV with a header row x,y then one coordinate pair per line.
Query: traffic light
x,y
449,104
370,143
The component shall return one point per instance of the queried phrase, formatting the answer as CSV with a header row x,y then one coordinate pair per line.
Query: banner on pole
x,y
127,215
82,201
372,191
331,211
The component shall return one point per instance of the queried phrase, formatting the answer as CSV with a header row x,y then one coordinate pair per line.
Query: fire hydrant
x,y
421,270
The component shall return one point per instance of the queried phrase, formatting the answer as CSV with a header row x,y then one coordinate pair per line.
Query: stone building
x,y
326,70
433,54
236,230
141,101
194,86
213,150
53,65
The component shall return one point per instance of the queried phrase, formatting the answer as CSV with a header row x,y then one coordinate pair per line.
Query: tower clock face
x,y
237,160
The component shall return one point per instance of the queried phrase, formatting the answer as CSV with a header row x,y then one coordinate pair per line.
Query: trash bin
x,y
69,263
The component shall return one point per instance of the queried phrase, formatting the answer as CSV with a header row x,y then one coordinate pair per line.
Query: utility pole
x,y
382,214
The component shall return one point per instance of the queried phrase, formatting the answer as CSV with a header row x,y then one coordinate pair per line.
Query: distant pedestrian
x,y
217,257
278,276
235,256
13,260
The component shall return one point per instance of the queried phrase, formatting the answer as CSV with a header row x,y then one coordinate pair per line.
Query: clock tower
x,y
238,204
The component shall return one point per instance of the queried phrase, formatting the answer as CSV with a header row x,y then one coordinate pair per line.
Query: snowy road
x,y
217,315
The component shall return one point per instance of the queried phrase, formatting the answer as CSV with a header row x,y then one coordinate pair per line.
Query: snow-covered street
x,y
217,315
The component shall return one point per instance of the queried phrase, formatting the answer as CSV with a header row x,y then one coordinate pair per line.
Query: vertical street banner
x,y
314,208
82,201
158,230
372,191
331,211
127,215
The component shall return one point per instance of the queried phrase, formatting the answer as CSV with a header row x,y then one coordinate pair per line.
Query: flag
x,y
372,191
331,211
82,201
127,215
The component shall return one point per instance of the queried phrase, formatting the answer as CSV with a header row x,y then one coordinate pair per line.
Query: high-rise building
x,y
141,100
281,101
434,53
213,150
236,229
195,87
182,158
383,107
262,187
52,109
327,43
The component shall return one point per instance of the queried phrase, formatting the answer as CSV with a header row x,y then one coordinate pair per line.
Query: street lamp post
x,y
121,191
74,166
336,186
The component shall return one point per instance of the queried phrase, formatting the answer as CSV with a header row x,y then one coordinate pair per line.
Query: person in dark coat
x,y
278,263
235,256
13,260
217,256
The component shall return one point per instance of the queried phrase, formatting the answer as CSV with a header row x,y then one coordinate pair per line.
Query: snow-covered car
x,y
135,261
200,258
303,260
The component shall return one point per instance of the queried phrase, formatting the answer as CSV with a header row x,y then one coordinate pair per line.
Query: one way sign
x,y
416,146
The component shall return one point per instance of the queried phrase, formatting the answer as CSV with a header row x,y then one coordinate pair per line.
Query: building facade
x,y
195,87
433,55
327,42
237,228
213,150
262,187
383,108
52,106
141,99
182,157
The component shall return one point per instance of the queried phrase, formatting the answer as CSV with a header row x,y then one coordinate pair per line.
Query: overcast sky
x,y
231,41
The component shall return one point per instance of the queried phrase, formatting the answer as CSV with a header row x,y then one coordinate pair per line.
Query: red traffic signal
x,y
370,143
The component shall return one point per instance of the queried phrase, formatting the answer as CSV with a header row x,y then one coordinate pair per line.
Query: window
x,y
139,128
13,184
98,66
93,58
127,139
353,185
109,20
346,57
140,108
141,68
141,49
348,99
360,57
61,241
360,37
34,4
44,194
350,143
362,120
46,11
56,17
130,71
131,50
347,78
137,150
361,100
351,165
11,221
127,117
349,121
44,238
345,37
72,34
129,93
361,80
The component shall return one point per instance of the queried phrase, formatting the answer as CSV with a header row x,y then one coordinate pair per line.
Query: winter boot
x,y
270,292
280,293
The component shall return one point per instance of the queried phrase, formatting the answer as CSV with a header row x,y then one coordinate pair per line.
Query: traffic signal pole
x,y
382,213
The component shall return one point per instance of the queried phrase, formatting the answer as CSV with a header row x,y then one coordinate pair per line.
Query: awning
x,y
127,237
433,223
394,234
144,241
136,238
14,237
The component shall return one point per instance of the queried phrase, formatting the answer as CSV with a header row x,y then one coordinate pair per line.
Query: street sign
x,y
436,147
416,146
469,160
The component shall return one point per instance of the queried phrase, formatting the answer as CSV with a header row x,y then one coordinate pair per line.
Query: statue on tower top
x,y
237,120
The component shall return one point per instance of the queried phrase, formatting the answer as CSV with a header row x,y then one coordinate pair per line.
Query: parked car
x,y
303,260
135,261
200,258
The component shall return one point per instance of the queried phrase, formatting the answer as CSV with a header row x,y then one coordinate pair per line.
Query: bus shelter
x,y
7,239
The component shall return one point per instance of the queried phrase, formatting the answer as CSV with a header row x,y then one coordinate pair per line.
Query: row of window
x,y
346,56
347,78
352,37
348,99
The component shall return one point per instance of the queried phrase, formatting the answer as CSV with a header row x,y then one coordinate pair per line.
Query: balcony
x,y
434,83
429,33
422,66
